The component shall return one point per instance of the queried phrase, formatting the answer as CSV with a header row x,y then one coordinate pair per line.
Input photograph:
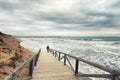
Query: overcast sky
x,y
60,17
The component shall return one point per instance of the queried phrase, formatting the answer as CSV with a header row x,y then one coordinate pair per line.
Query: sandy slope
x,y
12,54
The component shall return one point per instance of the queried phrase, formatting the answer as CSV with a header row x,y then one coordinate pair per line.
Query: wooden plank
x,y
49,68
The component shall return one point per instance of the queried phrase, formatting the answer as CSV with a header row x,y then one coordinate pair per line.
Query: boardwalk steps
x,y
112,73
49,68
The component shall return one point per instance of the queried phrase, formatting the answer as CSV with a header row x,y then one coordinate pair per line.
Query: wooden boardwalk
x,y
49,68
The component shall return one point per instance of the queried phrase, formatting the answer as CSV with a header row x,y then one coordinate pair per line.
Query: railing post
x,y
55,53
39,53
59,56
65,59
36,59
76,66
31,68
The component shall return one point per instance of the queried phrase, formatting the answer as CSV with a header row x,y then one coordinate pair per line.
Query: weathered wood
x,y
70,64
65,59
97,65
76,66
19,69
91,63
49,68
59,56
36,59
31,69
64,53
94,75
114,74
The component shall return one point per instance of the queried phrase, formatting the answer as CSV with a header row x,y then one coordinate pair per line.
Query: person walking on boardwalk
x,y
47,48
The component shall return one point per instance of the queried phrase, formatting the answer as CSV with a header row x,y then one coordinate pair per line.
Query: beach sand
x,y
12,55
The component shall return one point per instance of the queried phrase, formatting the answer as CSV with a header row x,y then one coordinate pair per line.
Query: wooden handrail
x,y
113,73
95,75
31,62
98,65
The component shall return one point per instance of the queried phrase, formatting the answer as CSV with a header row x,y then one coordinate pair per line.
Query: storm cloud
x,y
26,17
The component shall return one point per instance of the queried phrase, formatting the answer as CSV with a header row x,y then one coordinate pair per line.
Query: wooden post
x,y
36,59
76,66
64,59
38,53
31,69
59,56
37,56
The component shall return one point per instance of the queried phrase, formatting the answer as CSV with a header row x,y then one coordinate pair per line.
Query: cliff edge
x,y
12,54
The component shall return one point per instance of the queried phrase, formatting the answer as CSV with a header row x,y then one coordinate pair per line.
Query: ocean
x,y
101,50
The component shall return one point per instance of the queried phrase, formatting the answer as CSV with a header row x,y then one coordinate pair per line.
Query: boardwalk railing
x,y
30,63
113,74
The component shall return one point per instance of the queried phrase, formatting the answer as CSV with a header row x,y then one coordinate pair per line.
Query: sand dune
x,y
12,54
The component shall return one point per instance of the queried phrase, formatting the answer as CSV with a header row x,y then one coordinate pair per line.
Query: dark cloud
x,y
82,15
7,5
116,5
86,21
